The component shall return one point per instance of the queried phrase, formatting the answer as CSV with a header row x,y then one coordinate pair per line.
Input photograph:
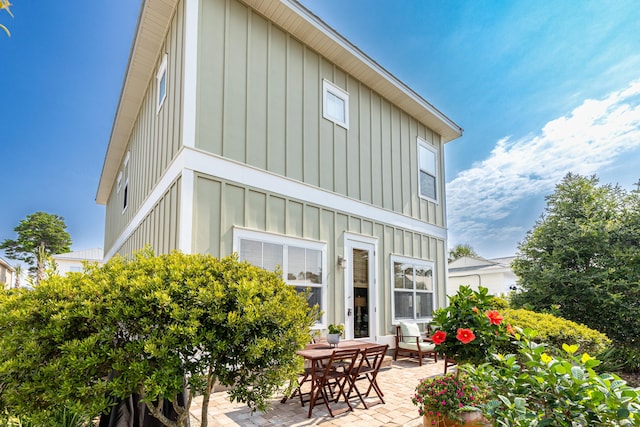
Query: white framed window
x,y
125,176
335,104
119,185
303,262
414,289
161,82
427,170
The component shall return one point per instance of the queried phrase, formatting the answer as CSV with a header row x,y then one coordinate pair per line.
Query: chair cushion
x,y
409,332
413,346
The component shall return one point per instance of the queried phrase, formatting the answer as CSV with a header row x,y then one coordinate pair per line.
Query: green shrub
x,y
556,331
560,390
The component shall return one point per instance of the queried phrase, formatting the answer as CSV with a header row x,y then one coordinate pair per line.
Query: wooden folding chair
x,y
336,372
367,369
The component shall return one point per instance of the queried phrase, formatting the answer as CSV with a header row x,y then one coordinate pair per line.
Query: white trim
x,y
261,236
162,72
415,262
185,227
424,144
330,88
190,74
210,164
357,241
119,182
358,54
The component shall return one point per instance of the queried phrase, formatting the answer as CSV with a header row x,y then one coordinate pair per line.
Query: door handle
x,y
349,312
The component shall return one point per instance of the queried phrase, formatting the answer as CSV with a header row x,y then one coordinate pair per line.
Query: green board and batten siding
x,y
221,205
153,144
260,103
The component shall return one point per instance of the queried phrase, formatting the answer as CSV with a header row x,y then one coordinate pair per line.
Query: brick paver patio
x,y
397,382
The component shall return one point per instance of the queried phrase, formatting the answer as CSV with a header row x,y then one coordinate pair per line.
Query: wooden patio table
x,y
323,351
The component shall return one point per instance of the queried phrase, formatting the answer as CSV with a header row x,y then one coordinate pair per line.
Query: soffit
x,y
153,23
311,30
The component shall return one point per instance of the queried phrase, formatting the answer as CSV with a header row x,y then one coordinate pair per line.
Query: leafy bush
x,y
467,330
556,331
561,390
163,323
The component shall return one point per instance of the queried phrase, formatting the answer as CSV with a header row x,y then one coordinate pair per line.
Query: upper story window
x,y
303,262
125,175
428,170
161,82
335,104
413,289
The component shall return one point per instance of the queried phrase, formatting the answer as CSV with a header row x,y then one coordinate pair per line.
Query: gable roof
x,y
153,22
6,265
468,263
94,254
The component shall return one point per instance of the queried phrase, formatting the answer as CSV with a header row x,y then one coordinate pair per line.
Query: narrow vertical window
x,y
335,104
428,171
125,176
161,82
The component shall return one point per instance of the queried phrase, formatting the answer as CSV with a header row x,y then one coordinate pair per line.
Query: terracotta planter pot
x,y
470,419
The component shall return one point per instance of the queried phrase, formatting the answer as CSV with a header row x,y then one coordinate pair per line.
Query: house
x,y
253,127
7,274
494,274
74,261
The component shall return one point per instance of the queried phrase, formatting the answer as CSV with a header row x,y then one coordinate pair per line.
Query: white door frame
x,y
351,242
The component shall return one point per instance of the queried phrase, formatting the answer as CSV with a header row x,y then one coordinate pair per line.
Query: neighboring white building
x,y
7,274
493,274
72,261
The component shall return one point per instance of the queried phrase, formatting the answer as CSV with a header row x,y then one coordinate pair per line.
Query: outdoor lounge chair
x,y
411,342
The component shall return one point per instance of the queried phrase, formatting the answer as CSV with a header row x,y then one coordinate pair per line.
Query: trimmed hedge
x,y
556,331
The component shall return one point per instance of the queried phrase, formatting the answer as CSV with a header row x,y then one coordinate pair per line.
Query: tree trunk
x,y
211,380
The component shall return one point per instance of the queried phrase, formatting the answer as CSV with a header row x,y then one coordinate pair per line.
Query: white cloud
x,y
591,137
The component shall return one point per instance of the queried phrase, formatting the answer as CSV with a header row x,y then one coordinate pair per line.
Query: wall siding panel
x,y
155,138
215,199
156,230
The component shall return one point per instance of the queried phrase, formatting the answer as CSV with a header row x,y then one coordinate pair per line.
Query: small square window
x,y
335,104
161,82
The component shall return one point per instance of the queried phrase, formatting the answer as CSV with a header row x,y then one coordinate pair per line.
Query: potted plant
x,y
335,331
449,400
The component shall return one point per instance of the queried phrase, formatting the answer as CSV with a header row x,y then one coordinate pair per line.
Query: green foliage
x,y
445,395
460,251
336,329
39,236
582,259
556,331
560,390
468,317
5,5
155,321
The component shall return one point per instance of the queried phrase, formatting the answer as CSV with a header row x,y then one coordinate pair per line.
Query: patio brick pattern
x,y
397,382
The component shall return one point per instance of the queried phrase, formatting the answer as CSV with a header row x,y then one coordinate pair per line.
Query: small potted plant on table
x,y
335,331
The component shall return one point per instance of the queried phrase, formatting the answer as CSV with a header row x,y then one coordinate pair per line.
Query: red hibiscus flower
x,y
438,337
494,317
465,336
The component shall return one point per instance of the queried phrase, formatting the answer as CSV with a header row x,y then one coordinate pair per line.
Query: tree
x,y
460,251
582,257
163,323
40,235
5,5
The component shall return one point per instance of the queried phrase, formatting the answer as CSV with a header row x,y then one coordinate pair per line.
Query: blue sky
x,y
541,89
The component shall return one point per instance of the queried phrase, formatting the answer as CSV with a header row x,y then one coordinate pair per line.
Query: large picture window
x,y
428,171
302,262
413,289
